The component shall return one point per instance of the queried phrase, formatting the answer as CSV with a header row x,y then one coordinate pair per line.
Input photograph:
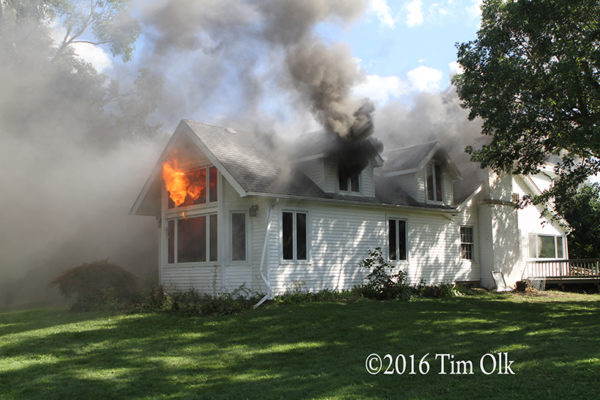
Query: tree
x,y
97,22
533,76
582,212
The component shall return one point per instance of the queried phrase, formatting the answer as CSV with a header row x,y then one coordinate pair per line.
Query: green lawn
x,y
307,351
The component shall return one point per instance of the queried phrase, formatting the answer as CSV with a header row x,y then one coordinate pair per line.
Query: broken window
x,y
397,239
192,239
238,236
294,235
193,188
466,242
434,182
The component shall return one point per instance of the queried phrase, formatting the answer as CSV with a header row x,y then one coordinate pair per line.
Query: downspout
x,y
264,277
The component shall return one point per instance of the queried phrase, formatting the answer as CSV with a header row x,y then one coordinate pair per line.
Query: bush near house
x,y
98,285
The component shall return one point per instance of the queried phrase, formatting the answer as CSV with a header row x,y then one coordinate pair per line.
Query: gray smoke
x,y
266,49
72,156
434,116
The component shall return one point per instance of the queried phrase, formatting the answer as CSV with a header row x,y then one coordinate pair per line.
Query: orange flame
x,y
179,184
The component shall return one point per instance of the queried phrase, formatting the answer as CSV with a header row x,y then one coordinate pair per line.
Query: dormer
x,y
424,172
321,163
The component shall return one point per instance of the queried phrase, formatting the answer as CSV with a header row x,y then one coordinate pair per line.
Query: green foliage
x,y
532,76
194,303
382,283
97,285
108,22
443,290
582,211
298,295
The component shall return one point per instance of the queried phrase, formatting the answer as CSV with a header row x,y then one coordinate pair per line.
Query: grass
x,y
314,350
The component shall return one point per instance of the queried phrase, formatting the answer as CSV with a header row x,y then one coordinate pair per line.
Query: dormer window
x,y
434,182
349,184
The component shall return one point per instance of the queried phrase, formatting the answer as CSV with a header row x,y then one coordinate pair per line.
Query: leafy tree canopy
x,y
533,76
582,211
98,22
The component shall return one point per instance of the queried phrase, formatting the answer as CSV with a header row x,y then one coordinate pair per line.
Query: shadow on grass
x,y
306,351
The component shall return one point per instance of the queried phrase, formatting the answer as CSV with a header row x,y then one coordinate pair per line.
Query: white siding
x,y
340,237
367,184
330,184
204,279
531,221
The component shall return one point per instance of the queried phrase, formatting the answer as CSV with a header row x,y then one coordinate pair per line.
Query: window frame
x,y
464,243
397,233
349,184
209,192
246,259
434,165
563,242
175,219
295,259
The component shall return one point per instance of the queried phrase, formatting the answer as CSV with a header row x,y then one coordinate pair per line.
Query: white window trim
x,y
432,165
294,238
230,239
397,261
535,243
175,219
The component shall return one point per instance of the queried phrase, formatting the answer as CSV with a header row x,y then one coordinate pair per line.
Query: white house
x,y
251,213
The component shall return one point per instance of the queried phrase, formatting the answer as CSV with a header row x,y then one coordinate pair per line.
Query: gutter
x,y
432,210
264,277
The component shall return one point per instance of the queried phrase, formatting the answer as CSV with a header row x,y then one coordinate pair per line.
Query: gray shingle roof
x,y
407,158
261,164
255,161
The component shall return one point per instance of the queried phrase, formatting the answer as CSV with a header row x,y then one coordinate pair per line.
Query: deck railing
x,y
583,268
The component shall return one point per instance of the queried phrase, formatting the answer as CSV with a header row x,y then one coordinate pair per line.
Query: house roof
x,y
255,164
258,163
408,159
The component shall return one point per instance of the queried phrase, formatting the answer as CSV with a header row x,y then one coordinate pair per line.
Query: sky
x,y
403,47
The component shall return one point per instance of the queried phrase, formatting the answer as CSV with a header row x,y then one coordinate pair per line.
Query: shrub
x,y
298,295
97,285
381,283
435,291
195,303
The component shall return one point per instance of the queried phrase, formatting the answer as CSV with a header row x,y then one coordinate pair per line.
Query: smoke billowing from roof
x,y
242,35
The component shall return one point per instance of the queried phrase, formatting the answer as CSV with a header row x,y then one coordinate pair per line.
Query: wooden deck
x,y
565,271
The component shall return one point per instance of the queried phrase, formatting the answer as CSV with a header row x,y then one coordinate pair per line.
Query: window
x,y
351,183
294,235
397,239
196,187
546,246
466,242
434,182
238,237
192,239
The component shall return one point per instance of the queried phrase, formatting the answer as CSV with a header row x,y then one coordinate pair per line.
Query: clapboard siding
x,y
204,279
341,236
